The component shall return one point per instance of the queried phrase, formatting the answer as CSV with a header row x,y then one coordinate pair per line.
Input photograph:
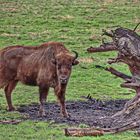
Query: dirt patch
x,y
88,112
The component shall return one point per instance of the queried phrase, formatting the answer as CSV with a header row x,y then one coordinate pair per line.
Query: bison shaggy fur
x,y
45,66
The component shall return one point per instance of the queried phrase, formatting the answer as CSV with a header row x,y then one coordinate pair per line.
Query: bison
x,y
45,66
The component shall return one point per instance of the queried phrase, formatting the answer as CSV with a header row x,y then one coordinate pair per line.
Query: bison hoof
x,y
66,115
41,114
11,109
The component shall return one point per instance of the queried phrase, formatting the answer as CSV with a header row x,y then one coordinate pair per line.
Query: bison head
x,y
64,63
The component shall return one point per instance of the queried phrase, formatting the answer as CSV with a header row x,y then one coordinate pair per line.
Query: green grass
x,y
78,24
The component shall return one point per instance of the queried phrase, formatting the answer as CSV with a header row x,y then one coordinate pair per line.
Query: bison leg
x,y
8,91
43,92
61,98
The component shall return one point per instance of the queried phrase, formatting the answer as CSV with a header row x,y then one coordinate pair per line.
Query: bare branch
x,y
103,48
107,33
119,74
83,132
101,131
130,85
116,73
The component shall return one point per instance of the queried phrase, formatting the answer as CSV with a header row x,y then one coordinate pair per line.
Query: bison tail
x,y
3,80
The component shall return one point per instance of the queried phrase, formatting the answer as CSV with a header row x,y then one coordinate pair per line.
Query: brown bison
x,y
45,66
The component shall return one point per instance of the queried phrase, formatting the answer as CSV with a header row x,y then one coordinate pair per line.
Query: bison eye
x,y
69,66
59,66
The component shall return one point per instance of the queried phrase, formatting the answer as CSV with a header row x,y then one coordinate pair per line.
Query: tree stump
x,y
127,43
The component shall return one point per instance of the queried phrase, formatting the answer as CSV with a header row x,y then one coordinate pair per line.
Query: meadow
x,y
78,24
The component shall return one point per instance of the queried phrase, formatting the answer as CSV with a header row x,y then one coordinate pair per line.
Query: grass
x,y
78,24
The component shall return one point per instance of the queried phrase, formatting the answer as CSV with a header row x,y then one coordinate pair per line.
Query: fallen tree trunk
x,y
79,132
83,132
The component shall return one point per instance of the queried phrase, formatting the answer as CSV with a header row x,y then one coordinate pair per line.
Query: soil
x,y
90,112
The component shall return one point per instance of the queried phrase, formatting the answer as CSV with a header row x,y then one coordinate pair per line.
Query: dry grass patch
x,y
9,35
86,60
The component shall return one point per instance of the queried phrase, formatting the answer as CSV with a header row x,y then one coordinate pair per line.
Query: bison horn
x,y
75,62
76,55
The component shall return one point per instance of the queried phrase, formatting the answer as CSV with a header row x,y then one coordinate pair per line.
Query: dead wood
x,y
119,74
100,131
116,73
127,43
103,48
83,132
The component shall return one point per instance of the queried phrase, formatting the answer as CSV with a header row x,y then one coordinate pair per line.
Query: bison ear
x,y
75,62
53,61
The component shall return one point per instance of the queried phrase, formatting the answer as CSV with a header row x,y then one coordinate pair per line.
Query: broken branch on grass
x,y
130,85
101,131
83,132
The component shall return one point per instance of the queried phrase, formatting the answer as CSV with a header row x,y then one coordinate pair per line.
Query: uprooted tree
x,y
127,43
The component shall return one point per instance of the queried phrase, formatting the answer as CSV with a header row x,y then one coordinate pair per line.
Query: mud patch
x,y
88,112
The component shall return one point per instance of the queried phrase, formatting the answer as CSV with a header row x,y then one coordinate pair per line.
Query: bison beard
x,y
47,65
